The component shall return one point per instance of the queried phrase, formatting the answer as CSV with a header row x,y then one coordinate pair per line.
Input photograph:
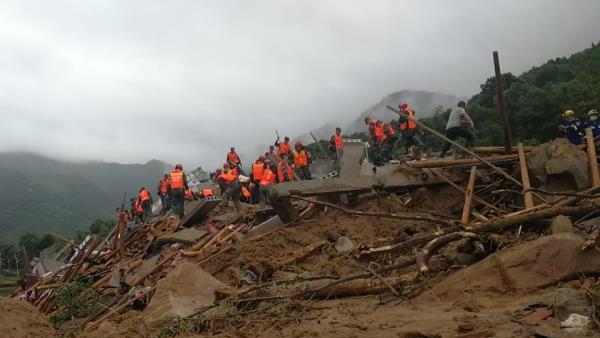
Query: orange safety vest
x,y
258,170
411,119
163,186
177,179
268,177
207,192
144,195
228,176
290,172
389,130
233,158
339,141
379,132
138,208
300,158
245,192
284,148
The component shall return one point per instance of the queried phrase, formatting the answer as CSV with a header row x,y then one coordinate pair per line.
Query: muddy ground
x,y
421,311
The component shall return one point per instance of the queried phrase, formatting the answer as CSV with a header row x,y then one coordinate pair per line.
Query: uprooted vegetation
x,y
431,250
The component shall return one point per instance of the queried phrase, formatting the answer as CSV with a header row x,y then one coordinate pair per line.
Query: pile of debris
x,y
413,234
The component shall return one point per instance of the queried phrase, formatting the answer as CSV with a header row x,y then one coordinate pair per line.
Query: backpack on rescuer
x,y
176,179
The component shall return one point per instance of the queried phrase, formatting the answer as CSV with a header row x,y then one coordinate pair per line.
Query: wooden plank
x,y
469,196
458,188
593,162
528,197
462,161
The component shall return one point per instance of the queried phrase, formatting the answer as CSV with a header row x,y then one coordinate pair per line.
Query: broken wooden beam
x,y
528,196
463,161
593,161
469,196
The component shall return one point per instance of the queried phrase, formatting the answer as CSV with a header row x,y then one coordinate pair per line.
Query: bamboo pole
x,y
528,196
593,161
469,196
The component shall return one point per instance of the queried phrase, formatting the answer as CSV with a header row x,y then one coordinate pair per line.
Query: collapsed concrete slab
x,y
400,179
353,156
183,292
186,236
266,226
523,268
195,211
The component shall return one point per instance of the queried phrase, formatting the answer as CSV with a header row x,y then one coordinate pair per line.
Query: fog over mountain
x,y
182,81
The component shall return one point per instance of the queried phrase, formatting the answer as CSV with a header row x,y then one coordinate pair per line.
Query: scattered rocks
x,y
561,224
523,268
468,302
344,244
181,293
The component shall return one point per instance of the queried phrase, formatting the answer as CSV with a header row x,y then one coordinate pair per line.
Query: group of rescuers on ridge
x,y
283,163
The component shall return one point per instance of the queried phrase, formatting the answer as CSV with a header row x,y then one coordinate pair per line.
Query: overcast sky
x,y
182,81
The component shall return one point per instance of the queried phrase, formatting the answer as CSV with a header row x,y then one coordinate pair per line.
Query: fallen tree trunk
x,y
494,225
433,246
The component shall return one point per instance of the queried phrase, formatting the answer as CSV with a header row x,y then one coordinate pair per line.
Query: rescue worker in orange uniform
x,y
285,172
234,160
190,195
267,180
283,148
407,126
207,192
336,144
379,138
163,193
177,186
145,200
271,155
258,169
232,188
370,123
246,187
301,160
391,139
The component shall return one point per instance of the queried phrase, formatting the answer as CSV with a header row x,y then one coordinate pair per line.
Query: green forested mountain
x,y
536,99
40,195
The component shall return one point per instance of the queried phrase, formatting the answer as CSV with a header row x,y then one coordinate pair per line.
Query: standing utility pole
x,y
501,108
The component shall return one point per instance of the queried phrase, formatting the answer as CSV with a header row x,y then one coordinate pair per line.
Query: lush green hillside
x,y
536,99
40,195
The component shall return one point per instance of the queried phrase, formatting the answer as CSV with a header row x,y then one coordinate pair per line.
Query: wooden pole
x,y
593,161
528,196
458,188
469,196
501,107
457,145
325,153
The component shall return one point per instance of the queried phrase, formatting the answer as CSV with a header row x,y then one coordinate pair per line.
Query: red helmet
x,y
179,167
402,105
298,143
226,165
262,158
